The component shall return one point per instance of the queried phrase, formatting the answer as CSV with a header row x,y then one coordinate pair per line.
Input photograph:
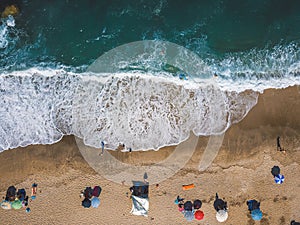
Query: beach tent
x,y
275,171
256,214
17,204
189,215
5,205
222,215
140,200
199,215
95,202
140,206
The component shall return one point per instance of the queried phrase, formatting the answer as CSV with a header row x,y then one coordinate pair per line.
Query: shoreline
x,y
241,168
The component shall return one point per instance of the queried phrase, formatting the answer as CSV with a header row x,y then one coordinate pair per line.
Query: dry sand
x,y
240,172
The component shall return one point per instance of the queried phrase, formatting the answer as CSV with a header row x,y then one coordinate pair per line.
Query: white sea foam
x,y
142,111
3,36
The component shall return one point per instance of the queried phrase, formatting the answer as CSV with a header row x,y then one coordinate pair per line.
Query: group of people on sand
x,y
191,210
18,199
91,197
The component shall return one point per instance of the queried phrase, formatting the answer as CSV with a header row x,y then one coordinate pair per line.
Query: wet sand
x,y
241,171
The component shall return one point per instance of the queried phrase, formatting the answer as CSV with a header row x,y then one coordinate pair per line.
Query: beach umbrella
x,y
17,204
279,179
275,171
197,204
97,191
95,202
88,192
222,215
86,203
5,205
188,206
189,215
199,215
256,214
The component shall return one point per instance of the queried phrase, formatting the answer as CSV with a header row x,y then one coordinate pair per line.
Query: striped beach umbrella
x,y
279,179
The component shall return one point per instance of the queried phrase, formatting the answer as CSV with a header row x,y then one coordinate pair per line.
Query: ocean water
x,y
51,83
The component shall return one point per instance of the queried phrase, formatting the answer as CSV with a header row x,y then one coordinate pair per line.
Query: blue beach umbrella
x,y
279,179
95,202
189,215
256,214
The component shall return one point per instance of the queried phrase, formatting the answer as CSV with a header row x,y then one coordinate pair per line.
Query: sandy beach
x,y
240,172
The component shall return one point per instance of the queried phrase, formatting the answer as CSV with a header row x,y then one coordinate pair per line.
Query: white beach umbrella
x,y
222,215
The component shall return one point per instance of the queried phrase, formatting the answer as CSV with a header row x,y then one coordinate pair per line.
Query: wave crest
x,y
142,111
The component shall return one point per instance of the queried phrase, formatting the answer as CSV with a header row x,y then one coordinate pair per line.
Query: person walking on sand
x,y
279,148
278,144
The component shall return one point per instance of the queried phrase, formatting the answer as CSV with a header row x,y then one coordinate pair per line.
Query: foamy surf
x,y
140,110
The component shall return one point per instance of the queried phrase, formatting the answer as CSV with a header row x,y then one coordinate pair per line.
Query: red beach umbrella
x,y
199,215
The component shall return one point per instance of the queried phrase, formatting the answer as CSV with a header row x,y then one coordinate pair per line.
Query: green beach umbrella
x,y
17,204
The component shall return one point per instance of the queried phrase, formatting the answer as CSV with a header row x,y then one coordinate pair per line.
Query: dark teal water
x,y
249,44
77,32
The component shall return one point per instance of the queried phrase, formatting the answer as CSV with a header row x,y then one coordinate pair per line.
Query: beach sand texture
x,y
241,171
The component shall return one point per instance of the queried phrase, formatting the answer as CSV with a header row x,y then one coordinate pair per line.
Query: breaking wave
x,y
139,110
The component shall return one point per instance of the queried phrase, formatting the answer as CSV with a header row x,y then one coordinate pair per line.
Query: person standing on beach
x,y
278,144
